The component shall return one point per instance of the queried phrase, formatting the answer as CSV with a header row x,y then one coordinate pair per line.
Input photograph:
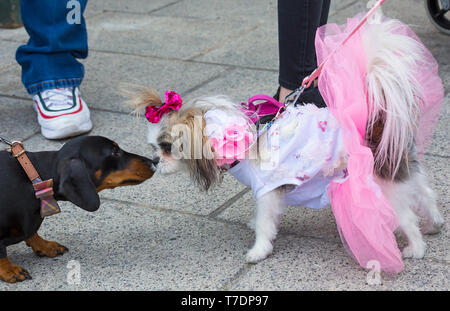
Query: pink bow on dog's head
x,y
172,102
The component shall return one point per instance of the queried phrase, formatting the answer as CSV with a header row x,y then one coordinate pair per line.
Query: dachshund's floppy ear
x,y
76,185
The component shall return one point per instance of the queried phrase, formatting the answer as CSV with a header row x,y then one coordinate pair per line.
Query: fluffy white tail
x,y
393,93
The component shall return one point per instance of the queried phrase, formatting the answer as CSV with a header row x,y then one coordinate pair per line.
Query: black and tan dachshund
x,y
80,169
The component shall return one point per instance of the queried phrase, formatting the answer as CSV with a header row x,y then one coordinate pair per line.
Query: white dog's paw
x,y
259,252
416,251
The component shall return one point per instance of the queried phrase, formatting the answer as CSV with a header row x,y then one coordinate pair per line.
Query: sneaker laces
x,y
58,99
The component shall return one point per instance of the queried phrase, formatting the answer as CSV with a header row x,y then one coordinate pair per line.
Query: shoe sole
x,y
67,131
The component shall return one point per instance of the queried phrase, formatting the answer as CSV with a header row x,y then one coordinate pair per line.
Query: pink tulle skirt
x,y
365,219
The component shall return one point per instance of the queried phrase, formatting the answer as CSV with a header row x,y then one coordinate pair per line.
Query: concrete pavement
x,y
165,234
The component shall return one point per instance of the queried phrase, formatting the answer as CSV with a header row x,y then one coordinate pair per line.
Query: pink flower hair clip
x,y
172,101
233,145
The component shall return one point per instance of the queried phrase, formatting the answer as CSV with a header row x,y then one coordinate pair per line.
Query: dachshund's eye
x,y
115,152
166,147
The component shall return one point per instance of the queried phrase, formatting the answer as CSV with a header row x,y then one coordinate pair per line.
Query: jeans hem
x,y
52,84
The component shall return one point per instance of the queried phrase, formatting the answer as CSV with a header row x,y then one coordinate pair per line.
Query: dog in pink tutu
x,y
361,154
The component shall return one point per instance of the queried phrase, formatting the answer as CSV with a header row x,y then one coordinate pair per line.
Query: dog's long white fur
x,y
393,90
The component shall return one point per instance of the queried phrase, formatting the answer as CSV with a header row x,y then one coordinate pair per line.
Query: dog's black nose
x,y
155,160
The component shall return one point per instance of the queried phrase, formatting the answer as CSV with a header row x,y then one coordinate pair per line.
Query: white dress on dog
x,y
303,148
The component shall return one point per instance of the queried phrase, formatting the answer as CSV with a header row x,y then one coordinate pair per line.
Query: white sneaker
x,y
62,113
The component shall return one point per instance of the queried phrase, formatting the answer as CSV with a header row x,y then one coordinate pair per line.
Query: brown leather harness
x,y
43,189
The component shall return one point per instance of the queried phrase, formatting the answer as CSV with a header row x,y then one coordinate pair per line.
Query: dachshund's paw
x,y
43,248
12,273
51,249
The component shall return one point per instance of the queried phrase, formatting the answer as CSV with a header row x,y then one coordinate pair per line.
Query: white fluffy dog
x,y
187,139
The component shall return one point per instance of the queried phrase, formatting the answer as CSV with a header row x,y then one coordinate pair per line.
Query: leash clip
x,y
5,141
293,97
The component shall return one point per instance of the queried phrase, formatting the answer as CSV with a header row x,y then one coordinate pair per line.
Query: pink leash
x,y
316,73
270,106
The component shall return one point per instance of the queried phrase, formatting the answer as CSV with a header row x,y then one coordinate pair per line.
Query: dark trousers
x,y
298,21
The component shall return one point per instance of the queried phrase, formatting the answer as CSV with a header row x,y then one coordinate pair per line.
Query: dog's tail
x,y
139,97
393,95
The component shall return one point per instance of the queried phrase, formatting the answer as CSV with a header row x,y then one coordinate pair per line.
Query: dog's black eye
x,y
166,147
115,152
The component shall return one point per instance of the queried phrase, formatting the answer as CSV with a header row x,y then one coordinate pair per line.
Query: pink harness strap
x,y
268,106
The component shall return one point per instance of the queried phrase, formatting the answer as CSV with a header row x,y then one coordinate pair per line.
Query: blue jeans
x,y
49,59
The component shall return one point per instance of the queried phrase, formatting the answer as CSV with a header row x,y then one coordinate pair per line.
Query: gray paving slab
x,y
131,6
7,54
295,220
106,73
310,264
93,9
159,35
320,224
259,10
11,83
440,144
176,192
259,47
438,174
240,84
18,35
122,247
17,119
256,48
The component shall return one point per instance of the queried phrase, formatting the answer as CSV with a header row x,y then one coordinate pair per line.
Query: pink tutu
x,y
365,219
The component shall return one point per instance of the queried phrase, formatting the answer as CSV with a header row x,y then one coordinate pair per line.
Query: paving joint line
x,y
209,218
5,67
12,40
247,267
93,16
145,13
342,8
236,277
438,261
206,82
224,41
437,155
91,108
35,132
228,203
111,111
169,58
15,97
153,207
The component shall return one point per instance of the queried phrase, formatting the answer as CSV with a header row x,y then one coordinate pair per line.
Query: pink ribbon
x,y
172,102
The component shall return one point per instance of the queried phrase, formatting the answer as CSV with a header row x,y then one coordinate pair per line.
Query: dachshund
x,y
83,167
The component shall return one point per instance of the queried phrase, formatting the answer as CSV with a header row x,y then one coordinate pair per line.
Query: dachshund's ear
x,y
76,185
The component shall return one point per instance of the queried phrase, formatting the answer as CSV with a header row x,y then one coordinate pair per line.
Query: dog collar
x,y
43,189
